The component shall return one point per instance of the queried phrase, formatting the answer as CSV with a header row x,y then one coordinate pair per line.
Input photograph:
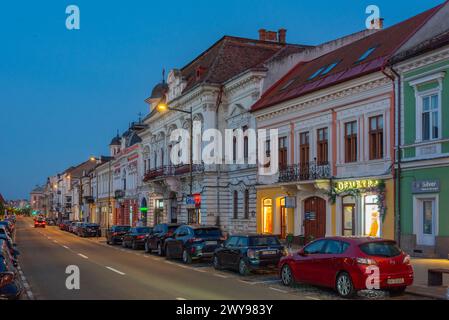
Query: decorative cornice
x,y
423,61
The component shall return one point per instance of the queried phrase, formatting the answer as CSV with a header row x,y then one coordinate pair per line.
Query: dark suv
x,y
193,242
115,234
249,252
136,237
88,230
156,241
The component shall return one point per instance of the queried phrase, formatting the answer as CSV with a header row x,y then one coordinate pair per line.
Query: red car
x,y
39,223
349,265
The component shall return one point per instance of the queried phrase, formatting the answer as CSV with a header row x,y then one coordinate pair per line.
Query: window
x,y
304,148
245,142
267,152
335,247
387,249
322,148
267,216
330,67
428,209
376,138
236,205
162,158
366,54
430,118
315,247
246,204
316,74
232,242
282,153
351,142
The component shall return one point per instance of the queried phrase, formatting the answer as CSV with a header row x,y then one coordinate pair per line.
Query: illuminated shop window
x,y
372,216
267,218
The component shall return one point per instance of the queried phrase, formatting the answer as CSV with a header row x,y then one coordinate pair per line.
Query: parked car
x,y
344,264
39,223
11,246
7,225
4,230
64,225
10,285
156,241
50,221
73,226
135,237
114,234
193,242
246,253
88,230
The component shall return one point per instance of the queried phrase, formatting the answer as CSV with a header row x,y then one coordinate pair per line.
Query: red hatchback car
x,y
349,265
39,223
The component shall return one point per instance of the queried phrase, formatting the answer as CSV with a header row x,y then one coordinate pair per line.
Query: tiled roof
x,y
386,42
229,57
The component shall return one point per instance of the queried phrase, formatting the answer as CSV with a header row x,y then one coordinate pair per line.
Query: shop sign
x,y
193,201
290,202
310,216
342,186
426,186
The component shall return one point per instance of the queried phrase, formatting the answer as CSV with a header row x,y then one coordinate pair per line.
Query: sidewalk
x,y
420,288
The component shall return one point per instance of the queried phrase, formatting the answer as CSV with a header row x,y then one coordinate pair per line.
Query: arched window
x,y
236,205
246,206
162,157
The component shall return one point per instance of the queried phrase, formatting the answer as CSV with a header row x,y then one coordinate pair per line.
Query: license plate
x,y
269,252
395,281
211,243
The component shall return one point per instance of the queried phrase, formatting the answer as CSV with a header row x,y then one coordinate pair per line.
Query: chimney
x,y
377,24
282,35
262,34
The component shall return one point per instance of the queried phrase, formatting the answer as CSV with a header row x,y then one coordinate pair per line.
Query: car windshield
x,y
263,241
381,249
208,232
143,230
121,229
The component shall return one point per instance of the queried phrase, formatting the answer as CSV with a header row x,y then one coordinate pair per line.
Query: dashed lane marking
x,y
66,247
181,299
83,256
311,298
116,271
220,275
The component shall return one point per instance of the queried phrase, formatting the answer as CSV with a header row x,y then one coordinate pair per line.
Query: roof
x,y
2,200
115,141
38,189
384,43
436,42
85,167
229,57
159,90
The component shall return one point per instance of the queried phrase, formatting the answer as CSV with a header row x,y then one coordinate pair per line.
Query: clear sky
x,y
64,94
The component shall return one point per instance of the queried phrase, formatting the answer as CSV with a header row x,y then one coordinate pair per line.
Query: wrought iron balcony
x,y
172,171
305,172
119,194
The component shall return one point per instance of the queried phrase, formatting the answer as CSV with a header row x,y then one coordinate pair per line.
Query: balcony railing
x,y
171,171
305,172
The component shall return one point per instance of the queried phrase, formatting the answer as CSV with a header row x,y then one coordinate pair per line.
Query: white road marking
x,y
278,290
26,285
116,271
220,275
199,270
181,299
55,241
311,298
169,262
83,256
263,282
66,247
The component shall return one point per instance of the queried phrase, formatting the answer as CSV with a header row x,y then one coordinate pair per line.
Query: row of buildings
x,y
363,144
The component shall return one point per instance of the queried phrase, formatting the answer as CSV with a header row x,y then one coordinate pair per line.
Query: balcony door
x,y
304,155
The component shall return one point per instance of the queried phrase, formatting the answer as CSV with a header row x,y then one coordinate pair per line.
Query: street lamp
x,y
163,107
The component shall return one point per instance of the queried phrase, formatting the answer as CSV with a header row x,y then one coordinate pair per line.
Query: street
x,y
111,272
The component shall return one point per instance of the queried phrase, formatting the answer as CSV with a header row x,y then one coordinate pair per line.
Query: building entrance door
x,y
314,218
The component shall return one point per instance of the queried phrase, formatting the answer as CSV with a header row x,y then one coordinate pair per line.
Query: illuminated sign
x,y
342,186
193,201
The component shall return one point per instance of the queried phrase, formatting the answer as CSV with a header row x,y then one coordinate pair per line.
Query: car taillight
x,y
406,260
140,237
366,261
192,240
114,233
251,254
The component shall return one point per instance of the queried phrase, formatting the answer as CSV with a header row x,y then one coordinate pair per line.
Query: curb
x,y
416,292
29,293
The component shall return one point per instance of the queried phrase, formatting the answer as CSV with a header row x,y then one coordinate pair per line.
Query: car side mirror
x,y
301,252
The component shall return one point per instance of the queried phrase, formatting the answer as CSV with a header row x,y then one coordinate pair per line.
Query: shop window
x,y
351,142
372,216
376,138
267,216
348,216
322,146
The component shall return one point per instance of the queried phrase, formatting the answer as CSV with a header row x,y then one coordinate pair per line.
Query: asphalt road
x,y
111,272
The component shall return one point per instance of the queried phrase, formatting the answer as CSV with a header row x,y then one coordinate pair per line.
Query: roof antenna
x,y
163,75
140,117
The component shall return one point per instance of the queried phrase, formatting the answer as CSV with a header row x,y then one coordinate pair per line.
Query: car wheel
x,y
397,291
134,245
147,248
286,275
217,264
186,257
243,268
344,285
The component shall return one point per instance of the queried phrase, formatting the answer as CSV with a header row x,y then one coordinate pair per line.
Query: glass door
x,y
427,228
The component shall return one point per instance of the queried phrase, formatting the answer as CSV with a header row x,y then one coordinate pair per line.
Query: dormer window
x,y
199,72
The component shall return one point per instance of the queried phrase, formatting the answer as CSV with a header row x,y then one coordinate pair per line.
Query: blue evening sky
x,y
64,94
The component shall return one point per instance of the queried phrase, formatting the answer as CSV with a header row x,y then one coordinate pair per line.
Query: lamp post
x,y
163,107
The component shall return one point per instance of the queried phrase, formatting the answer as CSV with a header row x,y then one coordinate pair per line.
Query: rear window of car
x,y
143,230
264,241
381,249
208,232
